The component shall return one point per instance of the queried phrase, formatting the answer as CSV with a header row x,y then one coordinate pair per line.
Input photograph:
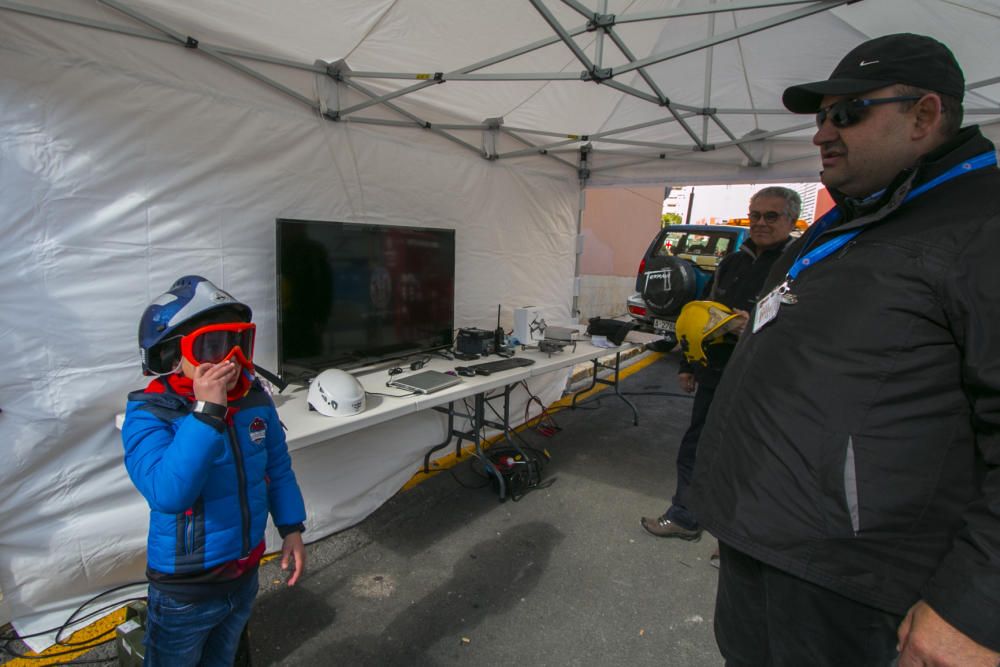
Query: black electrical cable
x,y
484,476
84,661
375,393
72,616
544,417
91,661
528,473
84,645
7,639
532,460
676,394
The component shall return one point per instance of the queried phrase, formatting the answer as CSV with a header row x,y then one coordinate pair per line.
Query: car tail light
x,y
642,266
636,310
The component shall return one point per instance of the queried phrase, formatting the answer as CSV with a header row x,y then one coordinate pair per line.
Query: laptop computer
x,y
425,382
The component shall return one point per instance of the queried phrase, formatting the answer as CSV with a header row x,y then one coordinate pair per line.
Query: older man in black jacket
x,y
773,213
850,465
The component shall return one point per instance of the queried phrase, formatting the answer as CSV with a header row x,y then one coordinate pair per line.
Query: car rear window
x,y
704,244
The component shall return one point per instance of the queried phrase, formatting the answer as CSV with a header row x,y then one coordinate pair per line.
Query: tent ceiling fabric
x,y
722,65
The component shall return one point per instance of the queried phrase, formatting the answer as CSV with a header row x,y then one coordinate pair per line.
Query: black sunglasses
x,y
770,217
848,112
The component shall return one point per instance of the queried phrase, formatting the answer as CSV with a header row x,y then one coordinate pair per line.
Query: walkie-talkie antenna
x,y
498,335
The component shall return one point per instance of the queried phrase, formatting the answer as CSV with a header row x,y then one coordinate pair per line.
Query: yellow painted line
x,y
450,460
95,634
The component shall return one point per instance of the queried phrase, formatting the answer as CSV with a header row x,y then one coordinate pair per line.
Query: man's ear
x,y
927,116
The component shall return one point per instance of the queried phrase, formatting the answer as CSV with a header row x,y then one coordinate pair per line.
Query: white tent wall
x,y
125,164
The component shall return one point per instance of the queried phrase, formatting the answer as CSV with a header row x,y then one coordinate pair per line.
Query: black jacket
x,y
736,283
854,441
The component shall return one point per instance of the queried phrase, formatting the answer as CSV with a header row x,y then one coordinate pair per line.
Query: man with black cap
x,y
850,464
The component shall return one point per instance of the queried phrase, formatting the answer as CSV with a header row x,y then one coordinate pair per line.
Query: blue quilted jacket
x,y
209,489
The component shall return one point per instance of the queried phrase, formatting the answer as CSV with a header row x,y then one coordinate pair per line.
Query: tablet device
x,y
425,382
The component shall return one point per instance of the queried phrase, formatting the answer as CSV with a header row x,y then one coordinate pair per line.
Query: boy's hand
x,y
293,550
212,381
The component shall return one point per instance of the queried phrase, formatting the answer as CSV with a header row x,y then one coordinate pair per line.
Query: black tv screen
x,y
352,295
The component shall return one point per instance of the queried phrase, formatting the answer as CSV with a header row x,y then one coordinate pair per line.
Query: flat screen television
x,y
352,295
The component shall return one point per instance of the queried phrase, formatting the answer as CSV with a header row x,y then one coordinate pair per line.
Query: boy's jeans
x,y
204,634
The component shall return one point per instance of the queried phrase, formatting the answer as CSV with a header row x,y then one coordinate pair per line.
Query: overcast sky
x,y
730,201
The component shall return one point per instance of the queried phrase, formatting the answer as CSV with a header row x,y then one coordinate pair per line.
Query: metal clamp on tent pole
x,y
603,21
597,74
330,108
191,43
491,131
437,76
583,171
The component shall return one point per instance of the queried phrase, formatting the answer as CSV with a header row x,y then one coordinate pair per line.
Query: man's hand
x,y
926,639
212,381
686,382
740,323
293,551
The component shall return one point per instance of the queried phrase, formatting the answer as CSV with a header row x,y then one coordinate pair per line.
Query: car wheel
x,y
666,289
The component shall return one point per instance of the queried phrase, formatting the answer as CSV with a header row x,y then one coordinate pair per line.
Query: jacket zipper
x,y
847,246
241,476
851,487
188,531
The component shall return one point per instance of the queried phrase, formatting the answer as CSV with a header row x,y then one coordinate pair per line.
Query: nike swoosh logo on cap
x,y
865,63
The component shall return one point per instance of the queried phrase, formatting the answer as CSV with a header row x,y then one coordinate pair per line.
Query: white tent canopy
x,y
145,139
647,90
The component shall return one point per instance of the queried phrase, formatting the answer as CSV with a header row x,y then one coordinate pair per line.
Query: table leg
x,y
450,411
611,383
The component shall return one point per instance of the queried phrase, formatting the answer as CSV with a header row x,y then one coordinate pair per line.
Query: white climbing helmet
x,y
336,393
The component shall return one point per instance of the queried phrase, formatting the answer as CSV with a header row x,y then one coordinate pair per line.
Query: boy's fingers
x,y
294,578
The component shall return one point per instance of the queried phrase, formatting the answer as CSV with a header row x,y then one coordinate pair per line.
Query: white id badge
x,y
767,309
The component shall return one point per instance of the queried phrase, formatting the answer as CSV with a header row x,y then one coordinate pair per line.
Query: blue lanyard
x,y
821,252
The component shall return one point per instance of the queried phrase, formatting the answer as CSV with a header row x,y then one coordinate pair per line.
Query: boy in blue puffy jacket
x,y
204,446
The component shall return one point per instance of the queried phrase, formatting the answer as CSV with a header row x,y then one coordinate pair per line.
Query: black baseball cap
x,y
913,60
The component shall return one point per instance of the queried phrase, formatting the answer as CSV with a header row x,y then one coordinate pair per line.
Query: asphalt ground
x,y
446,574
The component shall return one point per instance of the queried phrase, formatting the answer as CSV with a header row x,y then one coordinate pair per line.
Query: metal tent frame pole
x,y
594,71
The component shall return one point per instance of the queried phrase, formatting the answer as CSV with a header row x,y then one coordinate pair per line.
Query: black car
x,y
676,269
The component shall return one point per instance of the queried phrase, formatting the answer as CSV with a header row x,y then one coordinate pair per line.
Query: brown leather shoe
x,y
664,527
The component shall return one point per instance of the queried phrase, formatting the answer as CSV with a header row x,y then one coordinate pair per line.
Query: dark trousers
x,y
764,616
202,634
679,511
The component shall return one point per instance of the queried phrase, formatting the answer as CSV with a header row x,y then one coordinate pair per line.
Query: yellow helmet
x,y
703,323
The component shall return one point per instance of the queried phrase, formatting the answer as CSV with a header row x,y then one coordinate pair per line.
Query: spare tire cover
x,y
668,288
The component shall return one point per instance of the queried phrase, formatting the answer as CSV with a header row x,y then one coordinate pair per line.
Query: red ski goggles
x,y
216,343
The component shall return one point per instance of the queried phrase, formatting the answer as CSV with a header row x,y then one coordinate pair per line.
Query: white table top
x,y
306,427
